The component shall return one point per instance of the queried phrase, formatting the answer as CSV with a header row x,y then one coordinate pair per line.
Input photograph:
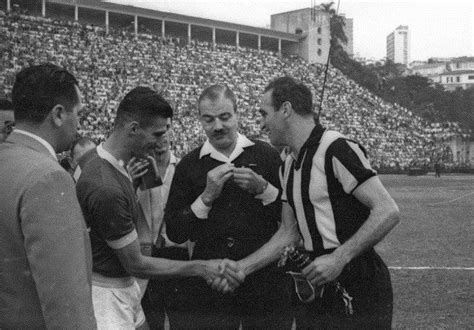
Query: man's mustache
x,y
219,133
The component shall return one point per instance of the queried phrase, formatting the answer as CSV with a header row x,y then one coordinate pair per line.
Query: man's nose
x,y
168,135
218,125
159,140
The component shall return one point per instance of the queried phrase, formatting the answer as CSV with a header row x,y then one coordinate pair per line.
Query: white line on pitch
x,y
452,200
428,267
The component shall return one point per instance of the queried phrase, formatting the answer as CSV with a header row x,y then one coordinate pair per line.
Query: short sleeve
x,y
111,210
350,164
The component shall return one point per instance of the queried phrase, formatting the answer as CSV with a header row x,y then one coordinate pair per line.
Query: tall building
x,y
398,45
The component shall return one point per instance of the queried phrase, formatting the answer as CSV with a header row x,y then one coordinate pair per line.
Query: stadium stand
x,y
109,65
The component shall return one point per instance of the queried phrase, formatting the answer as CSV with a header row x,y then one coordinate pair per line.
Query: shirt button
x,y
230,242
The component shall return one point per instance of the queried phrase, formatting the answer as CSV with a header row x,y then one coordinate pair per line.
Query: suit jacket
x,y
45,254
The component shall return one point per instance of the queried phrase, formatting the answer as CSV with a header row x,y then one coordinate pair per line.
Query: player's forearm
x,y
270,252
165,268
380,222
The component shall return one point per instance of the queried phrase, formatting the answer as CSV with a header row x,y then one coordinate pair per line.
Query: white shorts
x,y
142,283
118,308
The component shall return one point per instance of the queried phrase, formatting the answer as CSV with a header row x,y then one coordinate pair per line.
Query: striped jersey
x,y
318,185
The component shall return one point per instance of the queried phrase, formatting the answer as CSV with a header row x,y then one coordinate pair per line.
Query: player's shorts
x,y
117,303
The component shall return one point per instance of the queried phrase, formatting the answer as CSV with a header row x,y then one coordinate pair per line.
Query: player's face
x,y
151,136
272,120
163,145
220,123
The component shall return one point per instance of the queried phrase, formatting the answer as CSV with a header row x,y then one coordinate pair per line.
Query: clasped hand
x,y
224,275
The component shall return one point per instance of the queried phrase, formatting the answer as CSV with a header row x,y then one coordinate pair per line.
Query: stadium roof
x,y
172,17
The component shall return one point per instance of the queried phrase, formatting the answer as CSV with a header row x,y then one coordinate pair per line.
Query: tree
x,y
337,24
390,70
338,56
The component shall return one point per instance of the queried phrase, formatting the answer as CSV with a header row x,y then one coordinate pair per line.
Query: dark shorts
x,y
367,280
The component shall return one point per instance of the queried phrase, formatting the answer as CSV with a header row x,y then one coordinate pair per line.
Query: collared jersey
x,y
319,186
111,210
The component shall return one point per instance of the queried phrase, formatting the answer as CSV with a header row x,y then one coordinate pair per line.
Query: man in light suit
x,y
45,256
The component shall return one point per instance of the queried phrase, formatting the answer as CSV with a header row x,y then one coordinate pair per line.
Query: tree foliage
x,y
337,24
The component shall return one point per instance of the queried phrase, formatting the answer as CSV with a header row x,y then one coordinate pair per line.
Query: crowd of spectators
x,y
108,65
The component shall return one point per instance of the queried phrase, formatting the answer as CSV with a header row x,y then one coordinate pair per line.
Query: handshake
x,y
223,275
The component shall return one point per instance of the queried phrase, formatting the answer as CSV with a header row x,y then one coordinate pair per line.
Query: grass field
x,y
431,252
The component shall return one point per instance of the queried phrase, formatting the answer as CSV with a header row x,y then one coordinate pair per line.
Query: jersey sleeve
x,y
115,224
350,164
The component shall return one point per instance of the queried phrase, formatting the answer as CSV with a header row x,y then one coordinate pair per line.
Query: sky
x,y
438,28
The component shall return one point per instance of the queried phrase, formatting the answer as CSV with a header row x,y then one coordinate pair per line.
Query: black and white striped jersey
x,y
319,185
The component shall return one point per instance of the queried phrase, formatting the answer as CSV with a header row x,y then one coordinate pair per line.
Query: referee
x,y
333,201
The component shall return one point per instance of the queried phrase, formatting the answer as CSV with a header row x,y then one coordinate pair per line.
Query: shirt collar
x,y
242,142
40,140
313,140
117,163
173,159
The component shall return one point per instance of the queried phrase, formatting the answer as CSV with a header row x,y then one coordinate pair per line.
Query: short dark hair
x,y
142,104
37,89
214,92
288,89
81,141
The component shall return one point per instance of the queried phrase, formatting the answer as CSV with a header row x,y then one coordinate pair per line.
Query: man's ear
x,y
132,127
287,109
58,115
